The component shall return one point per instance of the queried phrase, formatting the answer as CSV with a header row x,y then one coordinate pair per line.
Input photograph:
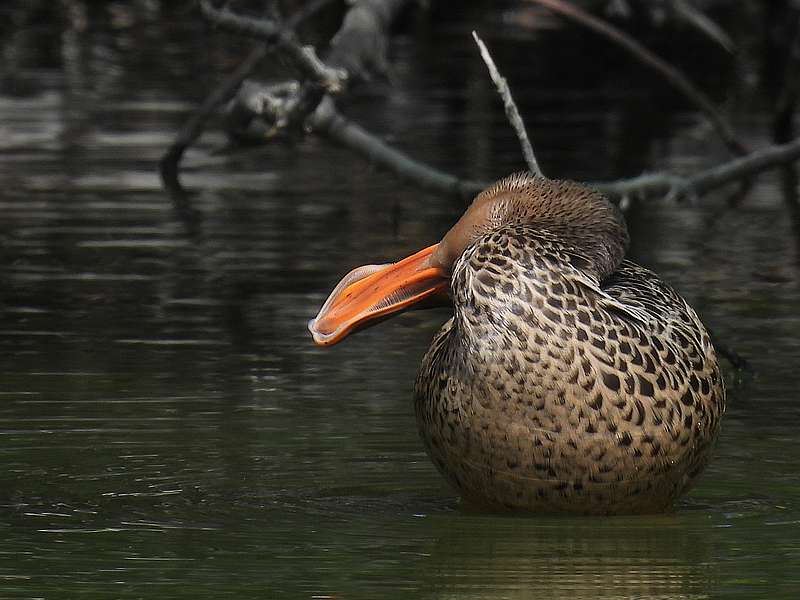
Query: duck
x,y
569,379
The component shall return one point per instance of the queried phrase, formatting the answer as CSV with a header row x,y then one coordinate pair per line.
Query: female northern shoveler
x,y
569,378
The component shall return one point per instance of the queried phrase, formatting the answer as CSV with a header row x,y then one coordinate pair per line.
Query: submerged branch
x,y
672,75
194,126
511,108
357,52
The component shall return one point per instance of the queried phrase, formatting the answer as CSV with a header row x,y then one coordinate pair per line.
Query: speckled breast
x,y
545,394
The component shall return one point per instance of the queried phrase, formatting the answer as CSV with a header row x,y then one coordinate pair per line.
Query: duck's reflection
x,y
644,557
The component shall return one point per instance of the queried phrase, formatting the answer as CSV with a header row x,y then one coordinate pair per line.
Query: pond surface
x,y
167,429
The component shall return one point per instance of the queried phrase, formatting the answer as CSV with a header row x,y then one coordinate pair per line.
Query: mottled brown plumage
x,y
568,379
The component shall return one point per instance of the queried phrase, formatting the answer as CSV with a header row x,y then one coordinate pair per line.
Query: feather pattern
x,y
561,386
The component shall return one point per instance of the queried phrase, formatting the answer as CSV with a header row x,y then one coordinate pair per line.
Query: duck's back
x,y
688,392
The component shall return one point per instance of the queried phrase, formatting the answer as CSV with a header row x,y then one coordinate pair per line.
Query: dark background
x,y
167,428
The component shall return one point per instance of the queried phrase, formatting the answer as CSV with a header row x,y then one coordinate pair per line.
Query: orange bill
x,y
373,291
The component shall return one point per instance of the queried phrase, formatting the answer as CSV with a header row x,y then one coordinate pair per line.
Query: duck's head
x,y
580,215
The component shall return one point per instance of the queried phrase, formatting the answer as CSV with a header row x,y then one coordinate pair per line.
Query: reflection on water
x,y
168,430
574,559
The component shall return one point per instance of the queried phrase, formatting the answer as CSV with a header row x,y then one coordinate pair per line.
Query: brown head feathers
x,y
580,216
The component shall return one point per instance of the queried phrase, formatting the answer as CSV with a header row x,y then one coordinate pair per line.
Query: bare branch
x,y
733,171
195,125
744,167
278,104
677,79
511,108
284,39
642,186
327,121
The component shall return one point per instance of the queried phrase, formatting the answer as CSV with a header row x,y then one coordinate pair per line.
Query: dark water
x,y
167,428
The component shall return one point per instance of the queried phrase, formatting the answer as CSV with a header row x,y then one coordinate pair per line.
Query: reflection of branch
x,y
511,108
670,73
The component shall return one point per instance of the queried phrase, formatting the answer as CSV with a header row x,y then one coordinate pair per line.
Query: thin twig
x,y
511,108
677,79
